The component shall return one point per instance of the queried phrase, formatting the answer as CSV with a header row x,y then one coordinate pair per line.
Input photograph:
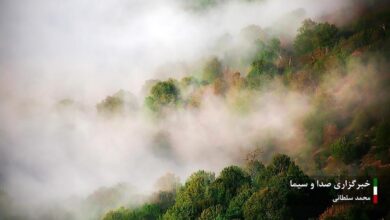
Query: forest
x,y
343,138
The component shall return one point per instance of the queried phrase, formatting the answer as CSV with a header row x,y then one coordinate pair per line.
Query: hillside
x,y
344,71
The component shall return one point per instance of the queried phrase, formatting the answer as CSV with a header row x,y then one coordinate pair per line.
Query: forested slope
x,y
345,72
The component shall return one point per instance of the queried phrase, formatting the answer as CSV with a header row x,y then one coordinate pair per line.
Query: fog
x,y
86,50
91,48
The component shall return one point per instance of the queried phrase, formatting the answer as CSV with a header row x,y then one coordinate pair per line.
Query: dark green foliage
x,y
382,134
342,149
263,66
280,167
273,181
269,51
165,93
193,198
146,212
314,35
231,195
348,150
213,212
228,184
254,167
234,194
280,164
165,200
266,204
235,207
149,211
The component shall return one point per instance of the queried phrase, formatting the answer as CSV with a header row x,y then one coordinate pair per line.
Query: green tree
x,y
228,184
193,198
273,183
236,204
312,35
120,102
212,213
266,204
163,93
254,167
145,212
348,150
263,67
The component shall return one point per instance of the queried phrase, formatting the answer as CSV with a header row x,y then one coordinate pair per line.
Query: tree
x,y
120,102
266,204
312,35
280,164
163,93
213,212
254,167
348,150
145,212
193,198
263,67
275,199
234,195
236,204
228,184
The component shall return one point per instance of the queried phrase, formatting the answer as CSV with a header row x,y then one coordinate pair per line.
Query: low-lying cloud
x,y
87,50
